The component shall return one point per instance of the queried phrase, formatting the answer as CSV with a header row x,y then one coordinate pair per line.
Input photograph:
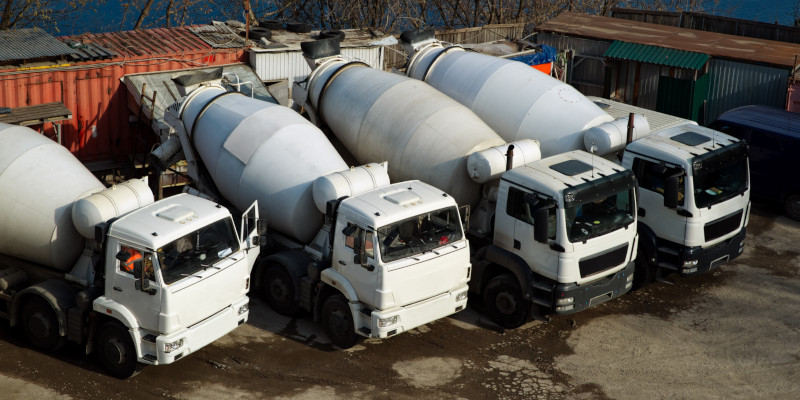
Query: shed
x,y
684,72
279,60
84,73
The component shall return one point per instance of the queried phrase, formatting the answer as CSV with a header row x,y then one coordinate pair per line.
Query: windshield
x,y
419,234
715,185
197,250
598,217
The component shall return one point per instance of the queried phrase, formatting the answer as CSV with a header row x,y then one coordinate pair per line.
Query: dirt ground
x,y
730,334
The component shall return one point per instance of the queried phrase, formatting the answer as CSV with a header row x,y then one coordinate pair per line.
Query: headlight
x,y
462,296
244,308
629,279
690,263
564,301
170,347
565,308
384,322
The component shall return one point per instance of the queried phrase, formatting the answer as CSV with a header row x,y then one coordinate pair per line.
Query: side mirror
x,y
261,226
671,192
465,213
123,256
142,283
360,257
540,224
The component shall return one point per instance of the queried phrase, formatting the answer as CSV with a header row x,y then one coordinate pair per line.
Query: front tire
x,y
792,207
338,321
278,289
40,324
116,350
504,302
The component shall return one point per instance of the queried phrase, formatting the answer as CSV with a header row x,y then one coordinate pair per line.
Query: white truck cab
x,y
177,279
400,258
565,226
694,198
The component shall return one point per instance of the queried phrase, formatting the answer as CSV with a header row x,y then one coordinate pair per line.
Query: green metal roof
x,y
656,55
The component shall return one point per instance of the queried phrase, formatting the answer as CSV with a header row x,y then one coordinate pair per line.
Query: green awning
x,y
656,55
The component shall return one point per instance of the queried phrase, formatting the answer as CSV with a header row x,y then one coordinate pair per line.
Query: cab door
x,y
249,239
349,237
143,303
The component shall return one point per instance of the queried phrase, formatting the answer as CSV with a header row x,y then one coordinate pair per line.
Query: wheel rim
x,y
39,326
794,208
114,351
505,303
278,289
337,322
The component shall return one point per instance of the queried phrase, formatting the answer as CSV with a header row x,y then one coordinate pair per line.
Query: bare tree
x,y
39,13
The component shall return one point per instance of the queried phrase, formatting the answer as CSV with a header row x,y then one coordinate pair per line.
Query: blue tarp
x,y
546,55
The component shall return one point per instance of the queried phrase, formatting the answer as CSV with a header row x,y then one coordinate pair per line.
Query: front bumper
x,y
712,257
591,294
411,316
193,338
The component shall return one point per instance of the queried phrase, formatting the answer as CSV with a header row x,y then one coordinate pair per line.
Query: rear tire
x,y
504,302
792,207
278,289
338,321
116,350
40,325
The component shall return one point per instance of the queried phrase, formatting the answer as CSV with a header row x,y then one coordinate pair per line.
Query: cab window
x,y
353,233
133,258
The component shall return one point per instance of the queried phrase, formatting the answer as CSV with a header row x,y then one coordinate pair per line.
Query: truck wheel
x,y
338,321
278,290
792,207
644,272
116,351
503,300
40,325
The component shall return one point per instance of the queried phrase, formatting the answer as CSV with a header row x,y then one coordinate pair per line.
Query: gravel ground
x,y
732,333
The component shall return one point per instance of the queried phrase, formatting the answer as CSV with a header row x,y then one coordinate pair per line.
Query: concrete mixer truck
x,y
366,257
137,282
561,230
694,197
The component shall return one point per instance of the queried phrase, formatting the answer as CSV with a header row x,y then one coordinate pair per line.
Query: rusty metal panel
x,y
734,84
103,131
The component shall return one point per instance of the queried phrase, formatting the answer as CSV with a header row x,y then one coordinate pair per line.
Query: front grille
x,y
722,226
591,266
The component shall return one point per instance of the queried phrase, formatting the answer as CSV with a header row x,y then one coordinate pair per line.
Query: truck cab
x,y
177,275
399,260
564,238
694,199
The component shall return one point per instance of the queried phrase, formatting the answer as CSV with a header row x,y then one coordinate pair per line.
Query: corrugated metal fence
x,y
735,84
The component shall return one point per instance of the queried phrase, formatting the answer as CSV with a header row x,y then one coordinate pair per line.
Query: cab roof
x,y
396,202
166,220
681,142
556,173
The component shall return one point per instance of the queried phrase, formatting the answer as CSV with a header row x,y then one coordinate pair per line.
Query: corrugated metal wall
x,y
290,65
735,84
101,132
588,71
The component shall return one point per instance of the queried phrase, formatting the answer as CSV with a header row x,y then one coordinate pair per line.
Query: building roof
x,y
30,44
140,43
656,55
714,44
